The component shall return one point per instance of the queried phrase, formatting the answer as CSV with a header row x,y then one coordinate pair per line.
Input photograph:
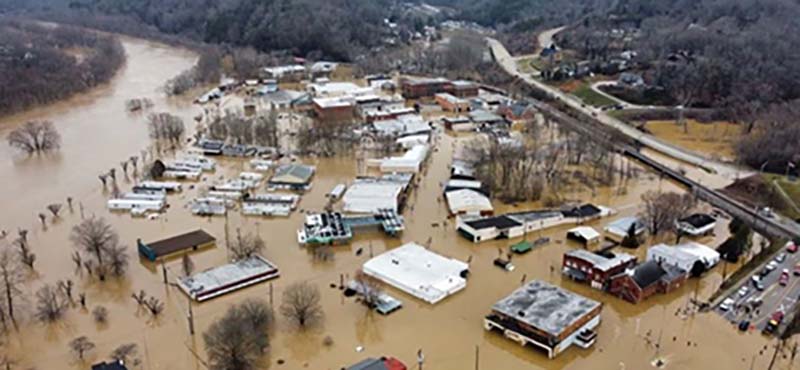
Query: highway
x,y
774,297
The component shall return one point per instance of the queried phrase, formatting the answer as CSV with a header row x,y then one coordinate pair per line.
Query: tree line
x,y
40,65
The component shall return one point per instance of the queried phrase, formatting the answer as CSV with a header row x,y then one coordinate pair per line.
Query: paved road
x,y
509,63
774,297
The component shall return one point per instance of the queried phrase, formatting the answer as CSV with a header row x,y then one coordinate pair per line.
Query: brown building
x,y
646,279
463,89
594,268
450,103
415,88
333,109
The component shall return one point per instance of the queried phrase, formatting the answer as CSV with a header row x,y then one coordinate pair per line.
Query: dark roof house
x,y
383,363
109,366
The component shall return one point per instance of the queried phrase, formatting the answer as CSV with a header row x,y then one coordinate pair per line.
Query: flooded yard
x,y
97,134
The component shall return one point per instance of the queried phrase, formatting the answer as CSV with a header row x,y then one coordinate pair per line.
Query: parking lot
x,y
752,304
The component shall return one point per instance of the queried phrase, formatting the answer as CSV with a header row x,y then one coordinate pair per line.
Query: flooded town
x,y
313,216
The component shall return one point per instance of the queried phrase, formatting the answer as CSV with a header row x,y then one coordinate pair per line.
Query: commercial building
x,y
370,195
417,271
333,228
410,162
468,202
165,248
593,268
459,123
285,73
516,224
227,278
697,224
548,317
490,228
645,280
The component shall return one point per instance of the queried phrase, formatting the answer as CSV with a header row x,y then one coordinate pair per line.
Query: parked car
x,y
791,247
774,322
784,279
772,265
744,325
797,269
726,304
743,291
780,258
764,272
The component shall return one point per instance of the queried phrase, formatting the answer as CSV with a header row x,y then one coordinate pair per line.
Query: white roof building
x,y
618,229
468,202
410,162
407,124
584,234
417,271
408,142
371,196
683,255
339,89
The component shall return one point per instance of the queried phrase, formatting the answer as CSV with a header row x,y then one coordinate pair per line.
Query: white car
x,y
726,304
743,291
772,265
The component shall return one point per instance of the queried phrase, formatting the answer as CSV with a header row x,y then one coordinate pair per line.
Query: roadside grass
x,y
591,97
792,190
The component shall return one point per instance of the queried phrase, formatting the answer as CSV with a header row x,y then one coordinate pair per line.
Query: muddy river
x,y
97,134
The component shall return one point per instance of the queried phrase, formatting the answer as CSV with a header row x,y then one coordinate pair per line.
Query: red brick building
x,y
450,103
463,89
645,280
593,268
333,109
415,88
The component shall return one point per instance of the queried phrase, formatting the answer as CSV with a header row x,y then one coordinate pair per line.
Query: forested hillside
x,y
42,64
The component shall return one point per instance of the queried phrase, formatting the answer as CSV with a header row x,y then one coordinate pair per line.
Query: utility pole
x,y
191,316
270,294
477,357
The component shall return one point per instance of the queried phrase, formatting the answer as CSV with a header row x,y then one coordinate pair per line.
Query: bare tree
x,y
301,303
26,256
165,126
662,210
100,315
54,208
99,243
245,246
187,266
154,306
124,352
266,129
12,276
50,304
35,137
369,288
80,346
238,340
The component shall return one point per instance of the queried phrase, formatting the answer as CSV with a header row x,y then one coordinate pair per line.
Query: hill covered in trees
x,y
42,64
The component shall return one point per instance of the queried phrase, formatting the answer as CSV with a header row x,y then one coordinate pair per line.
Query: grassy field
x,y
714,139
591,97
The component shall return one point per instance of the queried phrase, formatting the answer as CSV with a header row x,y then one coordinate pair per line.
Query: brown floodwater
x,y
98,133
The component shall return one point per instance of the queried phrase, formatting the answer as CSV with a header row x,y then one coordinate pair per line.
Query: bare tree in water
x,y
369,288
165,126
54,209
124,352
245,246
99,243
187,266
12,276
35,137
80,346
662,210
301,304
50,304
238,340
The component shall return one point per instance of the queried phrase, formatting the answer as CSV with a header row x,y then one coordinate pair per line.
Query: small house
x,y
491,228
584,235
383,363
698,224
645,280
618,230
